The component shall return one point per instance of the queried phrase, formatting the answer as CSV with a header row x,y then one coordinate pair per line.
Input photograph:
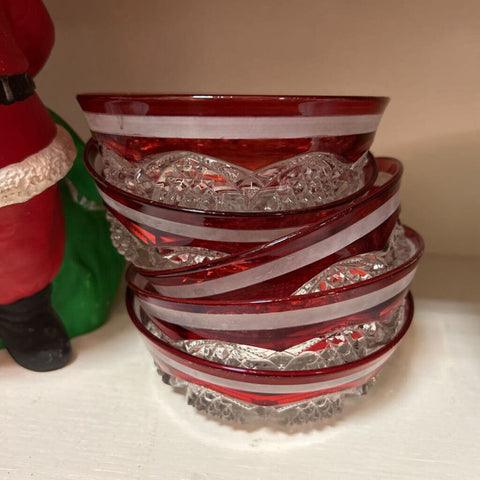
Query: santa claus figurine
x,y
34,155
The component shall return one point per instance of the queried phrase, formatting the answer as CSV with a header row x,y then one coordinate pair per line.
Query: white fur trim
x,y
24,180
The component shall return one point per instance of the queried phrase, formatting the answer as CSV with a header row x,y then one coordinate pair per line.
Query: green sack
x,y
84,289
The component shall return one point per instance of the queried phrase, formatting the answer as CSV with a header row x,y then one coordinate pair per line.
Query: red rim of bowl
x,y
272,373
91,148
228,105
411,234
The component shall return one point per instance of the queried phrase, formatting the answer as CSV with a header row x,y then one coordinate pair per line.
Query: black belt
x,y
15,88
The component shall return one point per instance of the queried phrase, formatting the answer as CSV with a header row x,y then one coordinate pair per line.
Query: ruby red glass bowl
x,y
279,267
249,131
265,387
161,225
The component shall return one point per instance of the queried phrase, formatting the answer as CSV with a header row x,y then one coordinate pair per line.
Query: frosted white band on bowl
x,y
276,320
195,231
369,368
288,263
231,127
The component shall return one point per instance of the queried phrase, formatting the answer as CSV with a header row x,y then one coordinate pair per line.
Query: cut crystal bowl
x,y
248,131
251,390
359,290
159,229
277,268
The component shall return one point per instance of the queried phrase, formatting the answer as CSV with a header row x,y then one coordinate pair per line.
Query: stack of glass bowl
x,y
269,271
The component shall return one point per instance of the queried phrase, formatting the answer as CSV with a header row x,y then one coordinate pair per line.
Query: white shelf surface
x,y
107,415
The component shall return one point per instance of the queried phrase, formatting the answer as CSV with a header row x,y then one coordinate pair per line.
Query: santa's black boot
x,y
34,334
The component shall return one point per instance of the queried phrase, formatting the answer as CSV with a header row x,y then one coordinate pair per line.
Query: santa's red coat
x,y
32,232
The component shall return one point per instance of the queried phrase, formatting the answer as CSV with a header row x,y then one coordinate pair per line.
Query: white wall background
x,y
424,54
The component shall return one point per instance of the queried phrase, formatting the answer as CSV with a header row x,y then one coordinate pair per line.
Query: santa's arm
x,y
33,30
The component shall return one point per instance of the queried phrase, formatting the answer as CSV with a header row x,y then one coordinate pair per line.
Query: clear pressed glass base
x,y
225,408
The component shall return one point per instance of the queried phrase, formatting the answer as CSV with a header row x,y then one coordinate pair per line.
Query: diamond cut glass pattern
x,y
153,257
190,180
